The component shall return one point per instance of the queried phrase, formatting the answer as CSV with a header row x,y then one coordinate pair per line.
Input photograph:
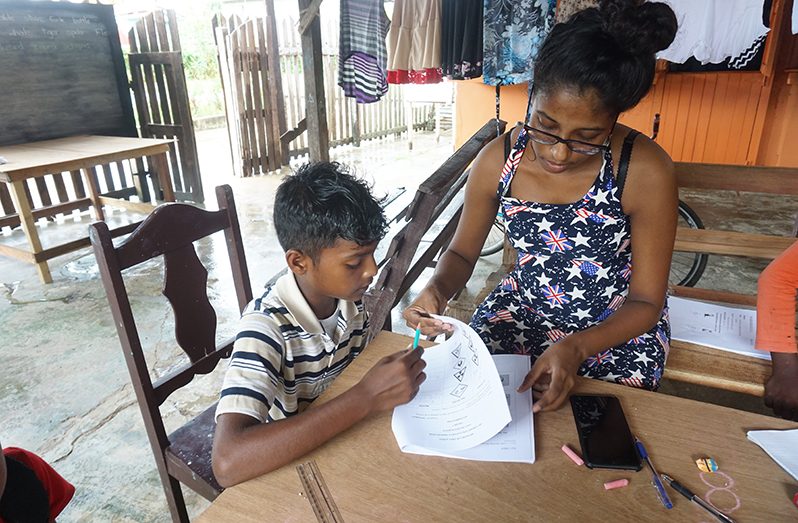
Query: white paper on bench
x,y
722,327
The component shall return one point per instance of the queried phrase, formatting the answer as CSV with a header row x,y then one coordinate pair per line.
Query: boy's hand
x,y
418,314
552,376
781,390
394,380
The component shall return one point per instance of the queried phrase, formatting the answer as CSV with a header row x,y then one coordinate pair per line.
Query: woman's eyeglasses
x,y
544,138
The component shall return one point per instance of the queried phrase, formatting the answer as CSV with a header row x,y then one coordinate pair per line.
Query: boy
x,y
296,338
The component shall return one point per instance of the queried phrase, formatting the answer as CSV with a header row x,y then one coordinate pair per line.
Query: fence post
x,y
356,126
316,105
275,79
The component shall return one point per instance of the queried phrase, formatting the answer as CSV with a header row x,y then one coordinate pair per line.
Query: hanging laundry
x,y
414,42
461,46
513,32
362,57
748,60
714,30
567,8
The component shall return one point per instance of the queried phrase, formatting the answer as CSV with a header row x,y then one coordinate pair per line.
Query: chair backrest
x,y
438,194
170,231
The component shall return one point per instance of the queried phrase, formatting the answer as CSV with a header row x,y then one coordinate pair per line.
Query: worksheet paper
x,y
780,445
727,328
468,407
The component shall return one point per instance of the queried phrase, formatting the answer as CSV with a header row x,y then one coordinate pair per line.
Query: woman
x,y
573,302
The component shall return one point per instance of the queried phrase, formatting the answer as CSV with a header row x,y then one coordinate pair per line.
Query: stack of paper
x,y
780,445
723,327
463,409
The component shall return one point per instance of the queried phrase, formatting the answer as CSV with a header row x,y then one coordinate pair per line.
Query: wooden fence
x,y
251,92
253,113
162,106
62,194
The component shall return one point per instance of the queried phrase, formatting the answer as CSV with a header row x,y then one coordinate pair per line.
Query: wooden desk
x,y
371,480
36,159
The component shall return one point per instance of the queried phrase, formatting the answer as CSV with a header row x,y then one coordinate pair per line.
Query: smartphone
x,y
604,435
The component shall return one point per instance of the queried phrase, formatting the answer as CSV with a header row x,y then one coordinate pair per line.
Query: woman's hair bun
x,y
639,27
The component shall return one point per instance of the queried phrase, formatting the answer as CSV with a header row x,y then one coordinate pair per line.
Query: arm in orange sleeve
x,y
775,304
775,331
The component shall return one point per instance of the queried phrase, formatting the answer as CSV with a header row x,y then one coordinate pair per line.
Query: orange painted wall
x,y
475,104
780,137
705,117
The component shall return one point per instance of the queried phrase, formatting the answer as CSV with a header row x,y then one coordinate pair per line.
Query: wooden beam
x,y
315,102
275,80
307,16
291,135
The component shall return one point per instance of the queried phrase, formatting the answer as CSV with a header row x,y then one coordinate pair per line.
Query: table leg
x,y
29,227
161,163
94,193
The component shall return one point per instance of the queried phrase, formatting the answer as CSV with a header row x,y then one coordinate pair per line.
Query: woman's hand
x,y
553,375
418,314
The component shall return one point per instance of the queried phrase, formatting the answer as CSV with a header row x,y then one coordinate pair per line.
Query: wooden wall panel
x,y
708,117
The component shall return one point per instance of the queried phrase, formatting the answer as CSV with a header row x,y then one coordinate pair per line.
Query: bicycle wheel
x,y
495,240
687,267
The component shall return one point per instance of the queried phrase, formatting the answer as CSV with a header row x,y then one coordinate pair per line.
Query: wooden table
x,y
33,160
371,480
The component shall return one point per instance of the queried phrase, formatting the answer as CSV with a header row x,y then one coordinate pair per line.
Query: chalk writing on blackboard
x,y
63,72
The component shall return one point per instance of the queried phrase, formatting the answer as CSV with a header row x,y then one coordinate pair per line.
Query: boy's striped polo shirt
x,y
282,359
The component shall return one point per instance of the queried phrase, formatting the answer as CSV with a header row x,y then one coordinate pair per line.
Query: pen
x,y
684,491
660,488
417,337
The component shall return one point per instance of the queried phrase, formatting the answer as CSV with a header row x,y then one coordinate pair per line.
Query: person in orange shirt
x,y
775,331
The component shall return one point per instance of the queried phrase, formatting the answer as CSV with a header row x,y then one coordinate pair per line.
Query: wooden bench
x,y
689,362
703,365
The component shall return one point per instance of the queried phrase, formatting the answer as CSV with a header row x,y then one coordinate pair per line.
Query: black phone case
x,y
591,461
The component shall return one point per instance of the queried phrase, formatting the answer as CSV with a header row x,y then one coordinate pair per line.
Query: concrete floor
x,y
65,390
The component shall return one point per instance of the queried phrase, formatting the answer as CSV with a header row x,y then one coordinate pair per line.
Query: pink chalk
x,y
573,455
618,483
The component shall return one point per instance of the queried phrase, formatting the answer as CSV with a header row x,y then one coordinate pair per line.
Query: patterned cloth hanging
x,y
461,46
362,57
414,42
513,32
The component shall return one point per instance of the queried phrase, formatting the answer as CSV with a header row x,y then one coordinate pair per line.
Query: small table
x,y
36,159
370,479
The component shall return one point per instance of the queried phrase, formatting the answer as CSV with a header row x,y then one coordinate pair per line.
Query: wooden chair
x,y
432,215
184,455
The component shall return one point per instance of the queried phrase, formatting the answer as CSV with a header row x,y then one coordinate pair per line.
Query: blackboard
x,y
61,72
